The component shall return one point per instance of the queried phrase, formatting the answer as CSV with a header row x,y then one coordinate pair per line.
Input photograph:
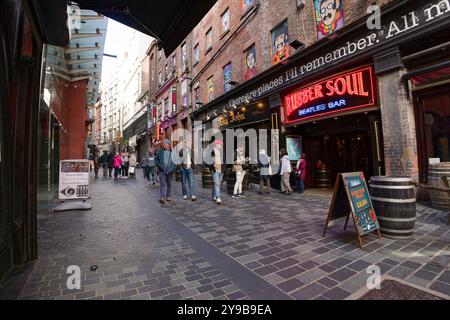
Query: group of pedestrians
x,y
160,166
299,173
123,165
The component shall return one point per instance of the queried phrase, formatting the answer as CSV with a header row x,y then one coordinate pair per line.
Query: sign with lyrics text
x,y
351,198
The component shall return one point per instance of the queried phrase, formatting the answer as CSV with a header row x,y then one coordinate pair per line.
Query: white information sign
x,y
74,179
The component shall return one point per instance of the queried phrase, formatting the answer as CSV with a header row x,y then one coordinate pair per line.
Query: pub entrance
x,y
342,144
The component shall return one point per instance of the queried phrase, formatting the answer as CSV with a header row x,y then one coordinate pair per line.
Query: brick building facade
x,y
290,50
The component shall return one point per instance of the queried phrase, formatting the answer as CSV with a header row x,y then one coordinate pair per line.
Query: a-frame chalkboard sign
x,y
351,197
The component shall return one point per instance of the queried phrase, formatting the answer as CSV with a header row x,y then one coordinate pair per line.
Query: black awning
x,y
169,21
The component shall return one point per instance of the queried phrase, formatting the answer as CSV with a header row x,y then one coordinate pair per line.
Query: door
x,y
314,153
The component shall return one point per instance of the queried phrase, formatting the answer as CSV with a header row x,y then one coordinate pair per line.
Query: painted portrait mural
x,y
250,63
210,89
329,17
280,43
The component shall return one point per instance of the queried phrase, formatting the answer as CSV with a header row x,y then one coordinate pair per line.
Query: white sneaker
x,y
219,201
214,199
194,198
184,197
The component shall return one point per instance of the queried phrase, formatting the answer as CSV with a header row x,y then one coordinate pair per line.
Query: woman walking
x,y
117,165
132,165
125,163
301,174
240,173
285,173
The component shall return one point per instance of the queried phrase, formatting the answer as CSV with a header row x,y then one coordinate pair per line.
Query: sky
x,y
117,37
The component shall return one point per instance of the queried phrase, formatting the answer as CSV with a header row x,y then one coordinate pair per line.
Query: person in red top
x,y
117,165
301,174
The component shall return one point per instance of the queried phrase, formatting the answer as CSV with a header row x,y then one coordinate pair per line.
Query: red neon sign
x,y
343,92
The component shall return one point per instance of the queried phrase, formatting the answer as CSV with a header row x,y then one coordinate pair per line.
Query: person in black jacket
x,y
111,163
103,162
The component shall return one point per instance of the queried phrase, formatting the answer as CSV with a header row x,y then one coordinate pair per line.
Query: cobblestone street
x,y
258,247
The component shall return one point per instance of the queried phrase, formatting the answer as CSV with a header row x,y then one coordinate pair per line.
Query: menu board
x,y
351,197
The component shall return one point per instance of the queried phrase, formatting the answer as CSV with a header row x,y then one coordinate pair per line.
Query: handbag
x,y
131,170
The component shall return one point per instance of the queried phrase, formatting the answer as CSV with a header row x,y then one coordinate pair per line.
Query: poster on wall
x,y
329,17
227,77
294,147
280,43
74,179
210,89
250,63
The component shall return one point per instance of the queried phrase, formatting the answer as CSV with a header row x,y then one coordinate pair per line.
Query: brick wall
x,y
256,30
399,129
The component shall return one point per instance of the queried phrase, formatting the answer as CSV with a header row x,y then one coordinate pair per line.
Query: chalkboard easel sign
x,y
351,197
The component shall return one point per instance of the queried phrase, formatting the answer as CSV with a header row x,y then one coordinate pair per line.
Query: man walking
x,y
285,172
187,174
265,171
166,170
150,167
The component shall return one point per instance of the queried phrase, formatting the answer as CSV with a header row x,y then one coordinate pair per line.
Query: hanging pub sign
x,y
244,115
74,179
351,197
343,92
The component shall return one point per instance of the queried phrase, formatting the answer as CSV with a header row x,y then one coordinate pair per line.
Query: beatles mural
x,y
329,17
250,63
280,43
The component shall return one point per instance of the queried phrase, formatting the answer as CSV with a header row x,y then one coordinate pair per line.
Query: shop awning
x,y
169,21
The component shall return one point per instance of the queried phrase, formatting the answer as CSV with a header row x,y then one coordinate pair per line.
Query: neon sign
x,y
342,92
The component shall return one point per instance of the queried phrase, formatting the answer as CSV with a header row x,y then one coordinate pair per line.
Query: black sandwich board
x,y
351,197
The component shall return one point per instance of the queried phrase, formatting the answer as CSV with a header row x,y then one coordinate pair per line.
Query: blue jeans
x,y
151,174
300,185
217,177
187,175
166,184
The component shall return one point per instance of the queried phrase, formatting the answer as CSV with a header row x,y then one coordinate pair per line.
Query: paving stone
x,y
441,287
309,292
401,272
291,272
327,282
426,275
290,285
342,274
336,294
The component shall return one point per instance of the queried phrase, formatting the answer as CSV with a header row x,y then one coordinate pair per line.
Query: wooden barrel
x,y
207,179
323,178
439,199
394,201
